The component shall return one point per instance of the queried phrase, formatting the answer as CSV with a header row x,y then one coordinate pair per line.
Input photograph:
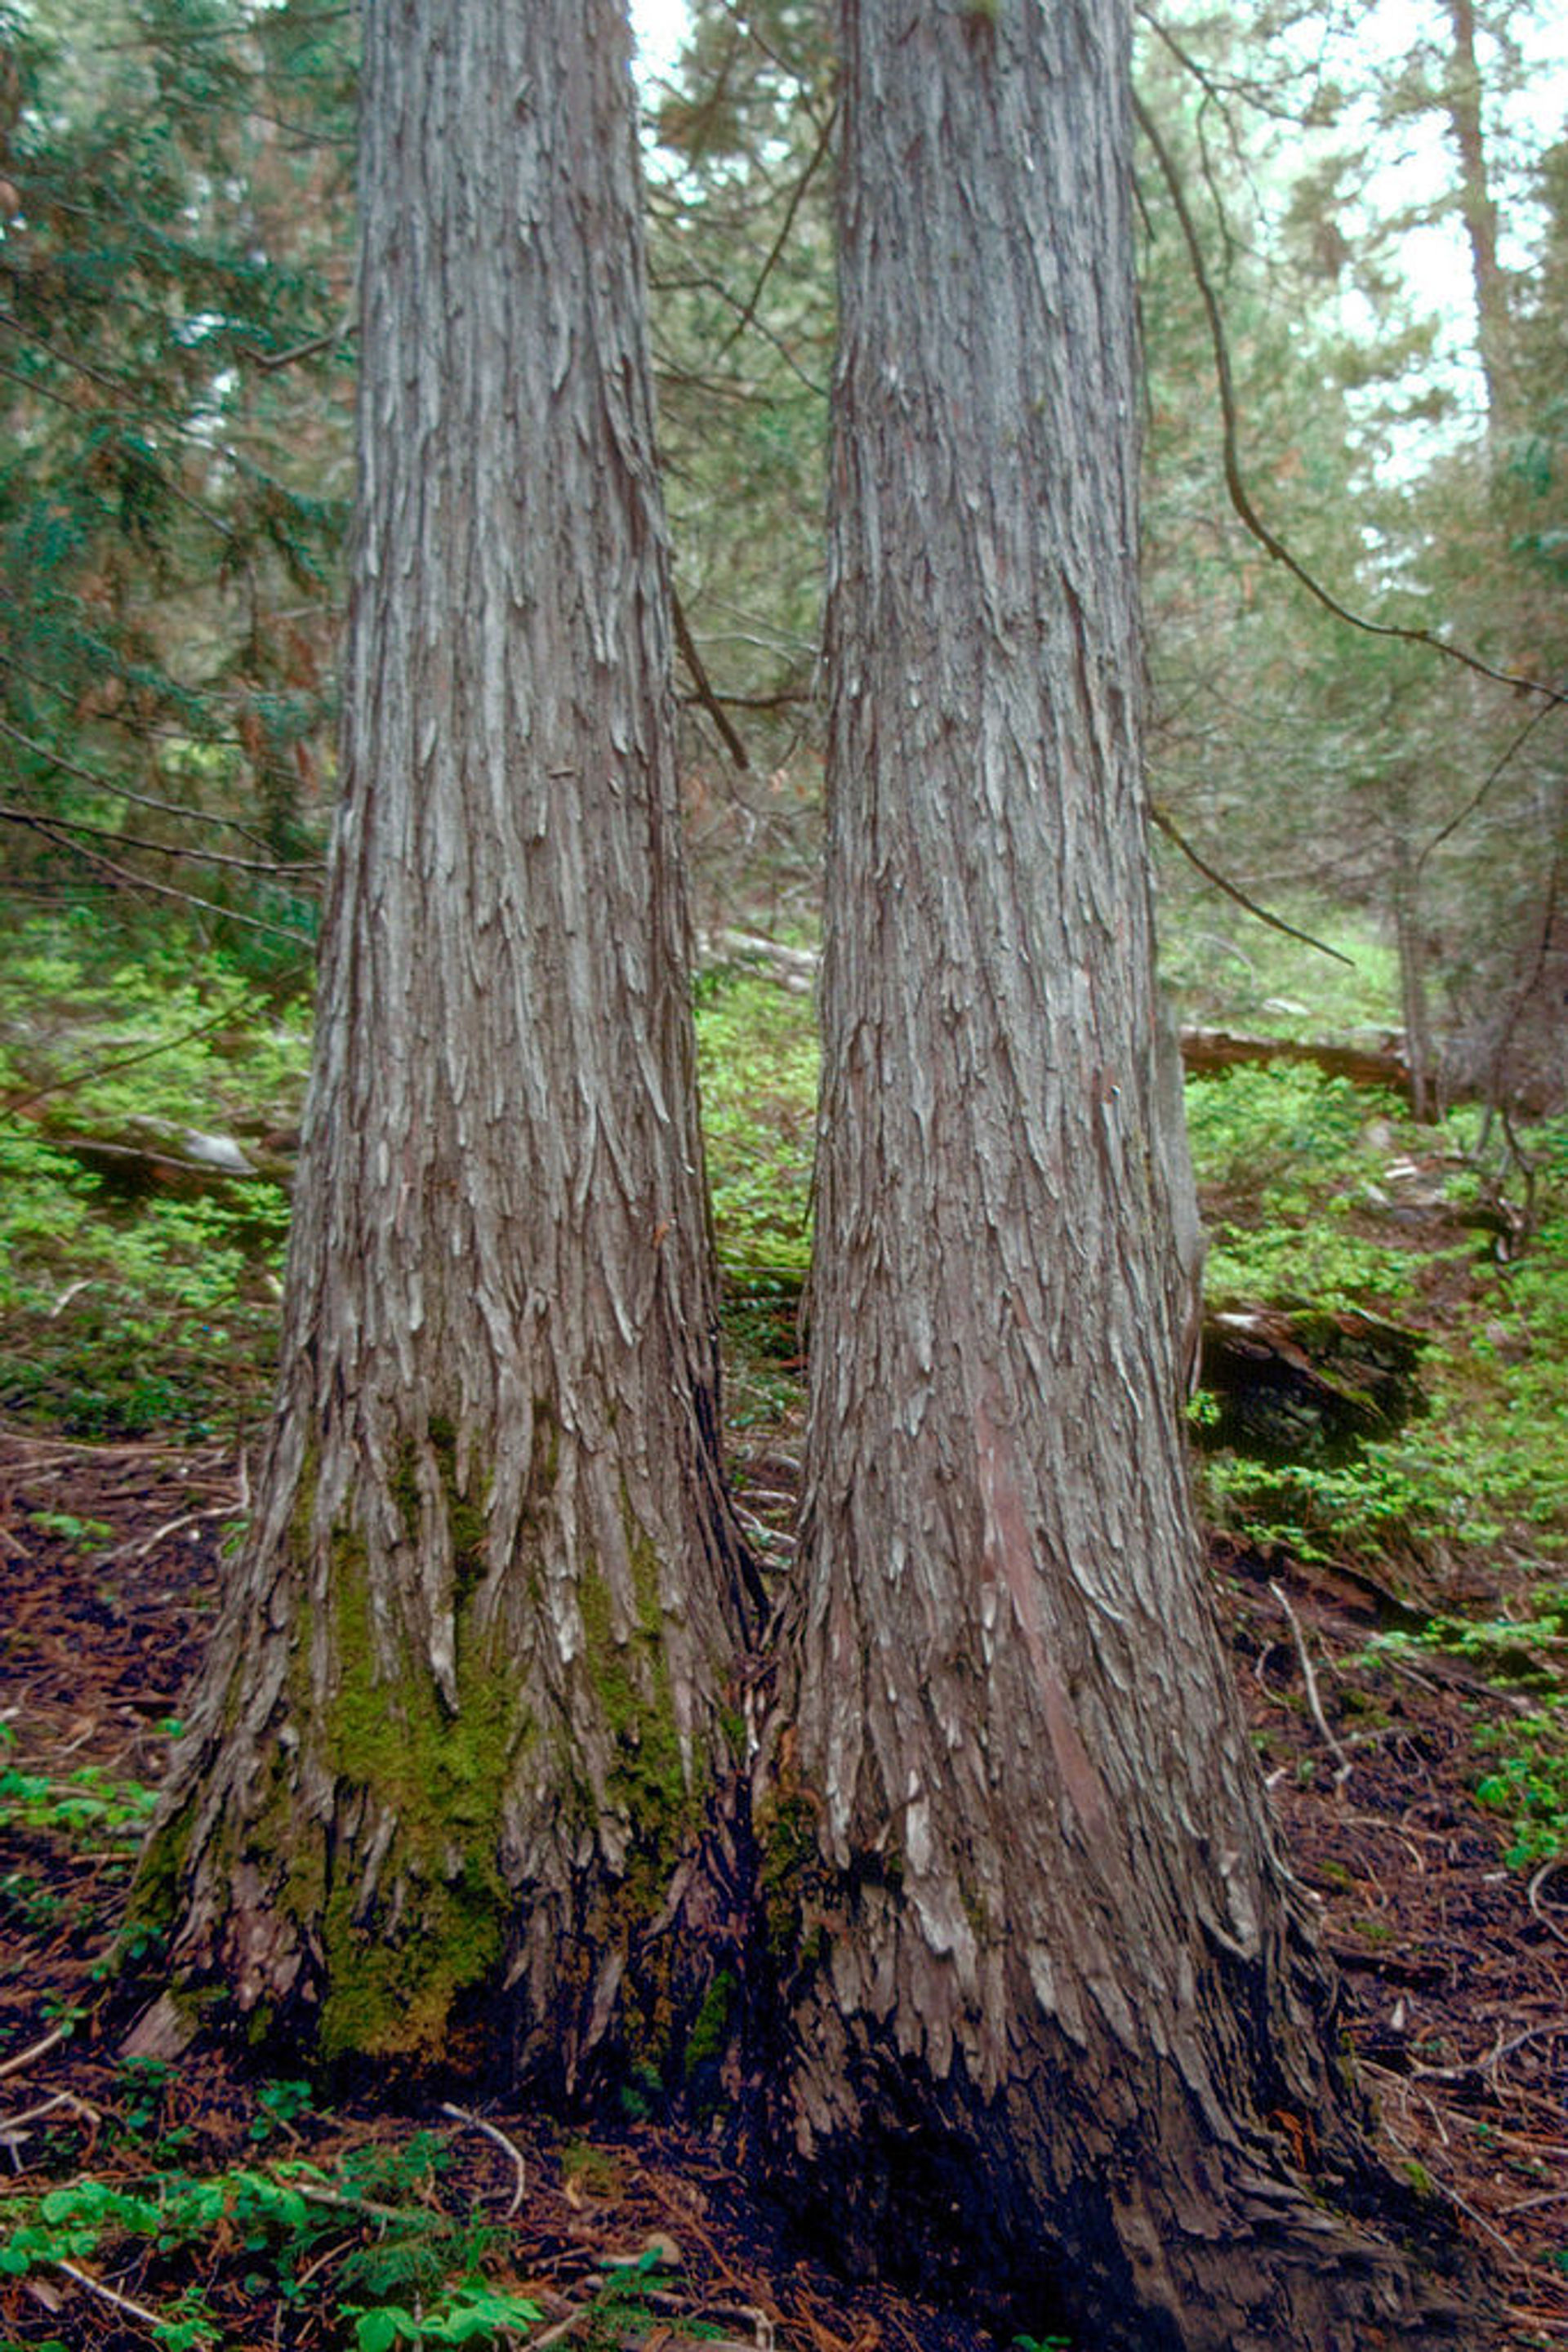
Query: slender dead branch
x,y
1309,1679
1498,768
23,2059
1500,2050
669,375
1157,816
309,350
788,697
699,679
14,2129
508,2147
100,783
269,866
53,832
12,1105
748,310
228,1510
158,2320
1547,1869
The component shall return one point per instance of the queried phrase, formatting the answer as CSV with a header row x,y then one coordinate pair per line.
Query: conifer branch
x,y
1236,483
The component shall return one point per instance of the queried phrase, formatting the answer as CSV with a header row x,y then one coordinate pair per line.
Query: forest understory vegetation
x,y
1396,1608
773,510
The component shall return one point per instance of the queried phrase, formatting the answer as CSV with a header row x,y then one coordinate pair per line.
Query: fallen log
x,y
1206,1051
142,1154
1299,1382
794,968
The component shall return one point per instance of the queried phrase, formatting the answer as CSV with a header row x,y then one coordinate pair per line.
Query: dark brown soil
x,y
1455,1967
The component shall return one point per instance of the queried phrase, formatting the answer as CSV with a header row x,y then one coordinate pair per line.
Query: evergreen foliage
x,y
173,406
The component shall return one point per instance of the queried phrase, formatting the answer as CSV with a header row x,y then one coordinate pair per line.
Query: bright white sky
x,y
1535,118
1418,169
659,26
1389,29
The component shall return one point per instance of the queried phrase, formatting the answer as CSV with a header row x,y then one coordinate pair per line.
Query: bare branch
x,y
123,792
56,835
271,866
16,1105
309,350
705,694
1498,768
797,195
1211,873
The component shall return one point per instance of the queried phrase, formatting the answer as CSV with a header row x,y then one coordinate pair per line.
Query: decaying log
x,y
145,1154
1300,1382
1206,1051
794,968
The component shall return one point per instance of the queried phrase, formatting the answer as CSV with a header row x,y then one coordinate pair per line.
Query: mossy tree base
x,y
528,1829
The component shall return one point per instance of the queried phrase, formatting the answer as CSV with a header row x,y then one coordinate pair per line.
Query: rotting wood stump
x,y
1301,1381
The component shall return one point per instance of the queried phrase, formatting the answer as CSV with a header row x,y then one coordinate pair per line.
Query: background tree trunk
x,y
1410,940
1462,104
461,1724
1051,2005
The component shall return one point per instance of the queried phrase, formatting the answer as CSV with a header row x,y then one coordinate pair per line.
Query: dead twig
x,y
145,1545
493,2132
13,2128
1494,2057
1529,2204
1342,1761
25,2058
154,2319
1462,2205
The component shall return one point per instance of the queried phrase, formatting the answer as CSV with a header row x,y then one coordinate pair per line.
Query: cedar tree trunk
x,y
1049,2001
456,1748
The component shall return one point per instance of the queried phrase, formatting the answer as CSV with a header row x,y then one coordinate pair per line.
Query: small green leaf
x,y
377,2331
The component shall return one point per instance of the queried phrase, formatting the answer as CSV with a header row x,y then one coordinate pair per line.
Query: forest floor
x,y
1454,1969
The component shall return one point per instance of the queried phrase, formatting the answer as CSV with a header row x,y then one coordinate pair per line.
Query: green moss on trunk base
x,y
156,1890
657,1788
711,2026
792,1883
364,1840
390,1991
429,1782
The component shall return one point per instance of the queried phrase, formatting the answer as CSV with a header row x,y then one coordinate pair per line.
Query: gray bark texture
x,y
1050,1999
453,1765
